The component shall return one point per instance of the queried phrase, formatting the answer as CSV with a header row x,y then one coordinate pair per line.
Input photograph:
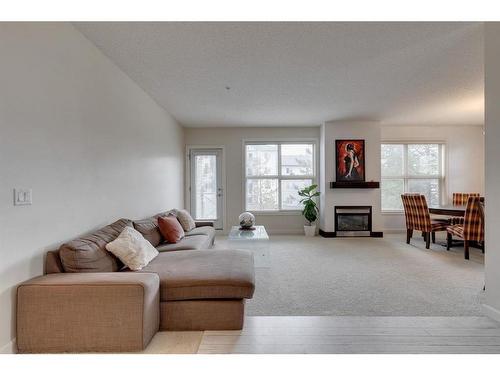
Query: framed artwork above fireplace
x,y
350,160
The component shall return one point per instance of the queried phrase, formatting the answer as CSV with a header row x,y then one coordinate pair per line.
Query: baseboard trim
x,y
9,348
322,233
491,312
284,231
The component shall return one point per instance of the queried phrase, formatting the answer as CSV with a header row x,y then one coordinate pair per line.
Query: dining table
x,y
447,210
451,209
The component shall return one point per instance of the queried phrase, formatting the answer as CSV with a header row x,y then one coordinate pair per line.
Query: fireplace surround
x,y
352,221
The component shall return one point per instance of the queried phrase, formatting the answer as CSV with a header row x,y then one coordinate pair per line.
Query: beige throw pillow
x,y
132,249
185,219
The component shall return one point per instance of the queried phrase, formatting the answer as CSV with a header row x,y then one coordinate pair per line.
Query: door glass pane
x,y
290,199
428,187
262,194
297,160
391,194
261,160
206,186
423,159
392,160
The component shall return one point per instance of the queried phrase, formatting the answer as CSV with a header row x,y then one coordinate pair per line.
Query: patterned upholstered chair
x,y
418,218
460,199
472,228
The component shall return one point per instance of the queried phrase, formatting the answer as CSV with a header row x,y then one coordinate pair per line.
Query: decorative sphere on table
x,y
247,220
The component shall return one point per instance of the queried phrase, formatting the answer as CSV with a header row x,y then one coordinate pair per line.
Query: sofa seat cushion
x,y
207,274
204,231
207,231
187,243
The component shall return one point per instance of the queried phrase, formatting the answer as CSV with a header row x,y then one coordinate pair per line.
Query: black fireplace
x,y
353,221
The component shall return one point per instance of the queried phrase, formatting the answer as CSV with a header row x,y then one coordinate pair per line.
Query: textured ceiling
x,y
283,74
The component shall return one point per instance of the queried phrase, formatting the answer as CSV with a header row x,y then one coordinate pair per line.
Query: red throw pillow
x,y
170,228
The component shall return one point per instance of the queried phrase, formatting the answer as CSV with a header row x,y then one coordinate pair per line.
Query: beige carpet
x,y
364,277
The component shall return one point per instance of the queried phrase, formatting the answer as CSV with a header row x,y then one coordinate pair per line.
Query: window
x,y
274,172
412,168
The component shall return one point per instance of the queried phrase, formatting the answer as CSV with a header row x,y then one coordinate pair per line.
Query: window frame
x,y
280,177
442,182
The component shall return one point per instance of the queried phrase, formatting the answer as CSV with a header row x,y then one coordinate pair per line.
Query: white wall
x,y
370,132
492,120
324,185
88,141
464,159
232,140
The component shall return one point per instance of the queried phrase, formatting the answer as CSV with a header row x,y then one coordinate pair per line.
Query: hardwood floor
x,y
186,342
339,334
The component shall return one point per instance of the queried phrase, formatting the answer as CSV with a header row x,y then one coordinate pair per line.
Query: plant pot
x,y
310,230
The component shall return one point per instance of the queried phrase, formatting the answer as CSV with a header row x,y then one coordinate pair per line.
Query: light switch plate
x,y
23,197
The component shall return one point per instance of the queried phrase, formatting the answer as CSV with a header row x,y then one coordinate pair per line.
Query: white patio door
x,y
206,190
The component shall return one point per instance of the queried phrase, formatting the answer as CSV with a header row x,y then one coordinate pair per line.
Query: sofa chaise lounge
x,y
88,302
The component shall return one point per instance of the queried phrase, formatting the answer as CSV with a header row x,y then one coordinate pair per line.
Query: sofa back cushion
x,y
149,228
53,263
89,254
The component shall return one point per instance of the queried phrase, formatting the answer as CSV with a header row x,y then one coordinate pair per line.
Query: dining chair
x,y
460,199
472,228
418,218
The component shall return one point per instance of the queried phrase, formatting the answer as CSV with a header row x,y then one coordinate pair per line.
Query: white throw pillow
x,y
132,249
185,219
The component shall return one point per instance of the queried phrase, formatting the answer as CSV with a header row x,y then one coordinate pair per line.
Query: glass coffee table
x,y
257,241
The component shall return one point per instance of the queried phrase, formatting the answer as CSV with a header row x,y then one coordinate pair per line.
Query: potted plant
x,y
310,210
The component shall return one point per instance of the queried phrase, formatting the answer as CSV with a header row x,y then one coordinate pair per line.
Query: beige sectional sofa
x,y
88,302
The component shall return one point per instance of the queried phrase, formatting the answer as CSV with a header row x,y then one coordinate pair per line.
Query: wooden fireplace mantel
x,y
326,234
355,185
